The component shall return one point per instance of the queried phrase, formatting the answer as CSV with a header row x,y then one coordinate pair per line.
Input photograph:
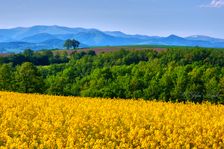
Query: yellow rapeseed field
x,y
41,121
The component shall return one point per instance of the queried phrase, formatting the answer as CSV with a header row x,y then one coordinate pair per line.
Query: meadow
x,y
44,121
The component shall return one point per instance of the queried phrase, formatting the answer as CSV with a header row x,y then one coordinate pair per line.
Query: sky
x,y
148,17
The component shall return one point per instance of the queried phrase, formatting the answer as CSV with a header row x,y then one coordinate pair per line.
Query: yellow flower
x,y
43,121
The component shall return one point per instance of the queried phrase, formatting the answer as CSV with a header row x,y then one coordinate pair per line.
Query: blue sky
x,y
150,17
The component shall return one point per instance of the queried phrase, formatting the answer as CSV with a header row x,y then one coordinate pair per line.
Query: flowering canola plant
x,y
43,121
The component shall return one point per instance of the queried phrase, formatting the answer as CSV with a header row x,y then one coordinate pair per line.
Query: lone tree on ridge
x,y
71,43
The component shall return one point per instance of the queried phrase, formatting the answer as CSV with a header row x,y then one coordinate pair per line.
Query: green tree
x,y
212,90
28,53
195,90
6,77
210,77
55,85
69,43
28,79
75,43
221,90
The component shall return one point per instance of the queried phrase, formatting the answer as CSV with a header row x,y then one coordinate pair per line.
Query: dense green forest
x,y
176,74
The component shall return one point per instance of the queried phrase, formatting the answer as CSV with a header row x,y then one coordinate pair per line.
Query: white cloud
x,y
215,4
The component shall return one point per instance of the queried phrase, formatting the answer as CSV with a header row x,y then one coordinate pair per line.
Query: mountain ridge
x,y
41,37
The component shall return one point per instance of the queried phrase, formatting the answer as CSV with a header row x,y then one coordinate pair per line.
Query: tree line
x,y
176,74
45,57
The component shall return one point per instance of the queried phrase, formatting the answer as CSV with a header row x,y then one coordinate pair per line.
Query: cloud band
x,y
215,4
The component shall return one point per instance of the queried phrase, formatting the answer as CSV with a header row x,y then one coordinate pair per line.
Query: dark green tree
x,y
195,90
28,53
28,79
75,43
68,44
180,82
71,43
6,77
221,90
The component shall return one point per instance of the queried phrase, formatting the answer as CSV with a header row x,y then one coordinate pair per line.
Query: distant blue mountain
x,y
204,38
37,38
48,37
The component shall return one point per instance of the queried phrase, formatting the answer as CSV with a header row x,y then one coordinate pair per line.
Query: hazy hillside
x,y
48,37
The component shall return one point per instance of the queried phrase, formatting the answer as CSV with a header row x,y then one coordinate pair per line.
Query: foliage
x,y
6,77
69,43
45,57
28,79
176,74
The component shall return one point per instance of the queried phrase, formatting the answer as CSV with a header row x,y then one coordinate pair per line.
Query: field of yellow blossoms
x,y
41,121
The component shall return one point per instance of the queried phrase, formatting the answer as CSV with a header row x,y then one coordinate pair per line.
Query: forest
x,y
177,74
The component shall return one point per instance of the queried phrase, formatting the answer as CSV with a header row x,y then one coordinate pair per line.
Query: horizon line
x,y
89,28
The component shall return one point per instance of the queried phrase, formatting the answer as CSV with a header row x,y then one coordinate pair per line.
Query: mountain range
x,y
51,37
